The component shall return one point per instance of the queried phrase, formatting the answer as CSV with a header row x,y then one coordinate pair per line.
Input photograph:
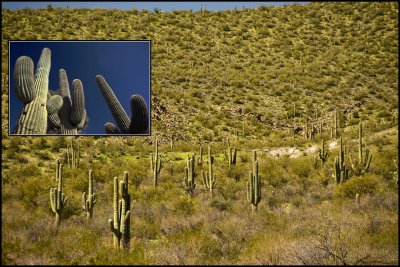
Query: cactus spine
x,y
230,155
57,198
323,155
190,174
341,171
32,91
90,199
362,165
155,165
209,177
253,185
137,124
120,225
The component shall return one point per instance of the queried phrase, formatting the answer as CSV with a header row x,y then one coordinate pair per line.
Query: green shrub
x,y
366,184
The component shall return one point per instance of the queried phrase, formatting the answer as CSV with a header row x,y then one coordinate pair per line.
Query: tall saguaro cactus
x,y
341,170
190,174
90,199
200,159
361,165
57,198
73,155
336,124
230,154
253,185
32,91
139,121
120,225
155,163
209,177
323,154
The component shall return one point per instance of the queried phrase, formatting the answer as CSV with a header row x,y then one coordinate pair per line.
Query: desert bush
x,y
366,184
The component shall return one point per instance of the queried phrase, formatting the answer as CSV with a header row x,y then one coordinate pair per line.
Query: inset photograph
x,y
79,87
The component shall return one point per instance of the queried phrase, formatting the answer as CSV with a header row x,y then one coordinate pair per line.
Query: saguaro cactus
x,y
190,174
57,198
335,125
341,170
32,91
90,199
230,154
209,177
306,128
120,225
139,121
73,155
155,163
361,165
323,154
200,159
254,186
72,114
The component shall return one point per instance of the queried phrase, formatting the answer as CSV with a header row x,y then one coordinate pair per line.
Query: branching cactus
x,y
155,163
361,165
139,121
89,200
230,155
189,178
323,154
32,91
120,225
72,114
254,185
209,177
73,155
57,198
341,170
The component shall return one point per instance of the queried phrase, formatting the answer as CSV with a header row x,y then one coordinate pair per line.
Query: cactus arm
x,y
111,128
33,118
24,80
78,102
140,117
118,112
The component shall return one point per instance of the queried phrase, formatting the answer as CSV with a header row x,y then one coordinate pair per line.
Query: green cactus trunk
x,y
323,155
33,93
72,113
253,185
230,154
57,198
361,165
341,170
118,112
120,225
190,174
89,200
155,164
209,177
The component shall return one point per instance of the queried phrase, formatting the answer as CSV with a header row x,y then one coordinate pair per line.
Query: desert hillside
x,y
288,83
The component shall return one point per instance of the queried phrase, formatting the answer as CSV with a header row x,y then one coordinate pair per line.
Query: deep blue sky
x,y
164,6
124,64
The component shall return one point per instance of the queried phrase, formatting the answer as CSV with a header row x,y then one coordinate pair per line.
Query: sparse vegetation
x,y
252,76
